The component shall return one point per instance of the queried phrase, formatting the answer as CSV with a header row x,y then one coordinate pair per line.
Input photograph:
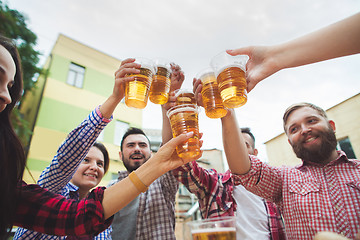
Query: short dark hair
x,y
132,131
248,131
296,106
104,151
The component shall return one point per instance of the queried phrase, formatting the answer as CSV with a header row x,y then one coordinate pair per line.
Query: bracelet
x,y
137,182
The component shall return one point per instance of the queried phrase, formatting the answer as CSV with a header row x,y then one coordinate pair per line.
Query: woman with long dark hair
x,y
32,207
12,156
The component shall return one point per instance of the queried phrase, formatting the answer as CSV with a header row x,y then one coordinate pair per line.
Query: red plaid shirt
x,y
311,198
50,213
215,195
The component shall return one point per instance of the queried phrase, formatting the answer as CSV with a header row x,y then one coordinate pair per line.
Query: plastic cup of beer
x,y
230,74
184,96
137,90
213,228
160,87
183,119
214,107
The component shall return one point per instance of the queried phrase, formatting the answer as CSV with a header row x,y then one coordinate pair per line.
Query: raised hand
x,y
122,76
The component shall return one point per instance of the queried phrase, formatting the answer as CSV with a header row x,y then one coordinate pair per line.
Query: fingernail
x,y
189,134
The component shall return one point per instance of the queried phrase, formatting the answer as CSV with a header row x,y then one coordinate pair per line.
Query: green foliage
x,y
13,25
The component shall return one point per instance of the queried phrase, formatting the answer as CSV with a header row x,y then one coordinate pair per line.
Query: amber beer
x,y
137,90
226,233
184,119
230,74
160,87
232,85
214,107
184,96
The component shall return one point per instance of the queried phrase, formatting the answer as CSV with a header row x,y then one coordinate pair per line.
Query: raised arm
x,y
78,142
234,145
336,40
177,79
120,194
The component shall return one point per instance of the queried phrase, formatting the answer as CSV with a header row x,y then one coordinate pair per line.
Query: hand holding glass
x,y
184,119
137,90
230,74
160,87
214,107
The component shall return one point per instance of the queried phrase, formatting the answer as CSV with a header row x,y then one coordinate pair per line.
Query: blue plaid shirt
x,y
56,177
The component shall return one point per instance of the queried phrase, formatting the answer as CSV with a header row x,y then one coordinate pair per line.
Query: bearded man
x,y
151,215
322,194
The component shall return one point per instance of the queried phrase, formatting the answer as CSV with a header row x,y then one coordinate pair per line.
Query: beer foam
x,y
182,108
206,75
211,230
163,66
242,67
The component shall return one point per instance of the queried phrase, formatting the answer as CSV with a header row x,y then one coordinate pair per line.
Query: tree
x,y
13,25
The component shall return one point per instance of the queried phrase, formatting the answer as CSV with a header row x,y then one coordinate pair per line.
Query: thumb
x,y
239,51
181,138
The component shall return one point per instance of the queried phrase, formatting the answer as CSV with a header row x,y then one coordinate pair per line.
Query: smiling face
x,y
135,151
7,74
311,135
90,171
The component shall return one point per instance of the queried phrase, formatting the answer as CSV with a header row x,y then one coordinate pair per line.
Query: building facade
x,y
78,78
346,116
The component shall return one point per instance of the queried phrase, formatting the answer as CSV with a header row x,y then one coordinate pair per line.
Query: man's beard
x,y
320,154
136,165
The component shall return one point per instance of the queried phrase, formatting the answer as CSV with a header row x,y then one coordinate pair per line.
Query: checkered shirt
x,y
215,195
156,212
311,198
44,211
56,177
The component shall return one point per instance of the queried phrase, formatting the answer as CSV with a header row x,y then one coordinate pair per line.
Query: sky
x,y
191,32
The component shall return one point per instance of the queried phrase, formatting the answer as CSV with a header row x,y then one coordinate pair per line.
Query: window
x,y
345,145
76,75
120,129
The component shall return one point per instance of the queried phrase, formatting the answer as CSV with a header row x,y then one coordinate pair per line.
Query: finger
x,y
127,79
201,134
181,138
175,67
240,51
130,65
181,76
126,71
128,60
197,88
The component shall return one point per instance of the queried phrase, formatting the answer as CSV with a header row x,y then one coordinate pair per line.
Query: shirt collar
x,y
123,174
72,187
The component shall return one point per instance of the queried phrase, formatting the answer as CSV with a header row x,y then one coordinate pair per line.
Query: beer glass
x,y
137,90
184,96
160,87
220,228
214,107
230,74
183,119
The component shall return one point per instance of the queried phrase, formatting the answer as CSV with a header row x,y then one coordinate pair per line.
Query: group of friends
x,y
321,196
